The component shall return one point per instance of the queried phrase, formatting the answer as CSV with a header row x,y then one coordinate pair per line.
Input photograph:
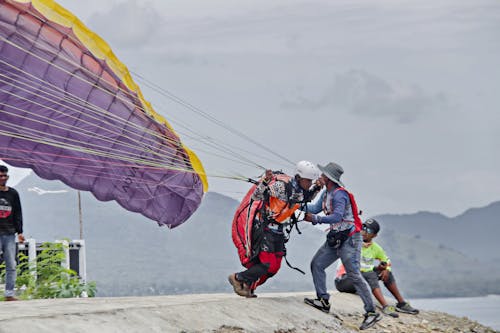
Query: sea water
x,y
485,309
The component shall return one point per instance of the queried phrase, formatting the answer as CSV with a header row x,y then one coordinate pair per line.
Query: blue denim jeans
x,y
8,249
350,253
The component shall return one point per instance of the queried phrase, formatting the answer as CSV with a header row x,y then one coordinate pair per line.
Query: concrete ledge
x,y
277,312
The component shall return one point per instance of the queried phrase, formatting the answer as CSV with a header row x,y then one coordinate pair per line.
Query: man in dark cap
x,y
343,241
375,266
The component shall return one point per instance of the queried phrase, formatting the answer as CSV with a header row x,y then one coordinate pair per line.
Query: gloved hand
x,y
308,217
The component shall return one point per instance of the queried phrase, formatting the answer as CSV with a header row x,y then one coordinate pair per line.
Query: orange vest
x,y
280,210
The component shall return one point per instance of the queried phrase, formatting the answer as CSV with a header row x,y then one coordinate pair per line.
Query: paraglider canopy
x,y
70,110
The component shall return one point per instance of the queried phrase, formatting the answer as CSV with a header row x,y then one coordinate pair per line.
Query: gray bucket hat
x,y
333,171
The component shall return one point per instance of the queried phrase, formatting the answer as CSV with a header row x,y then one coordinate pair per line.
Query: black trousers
x,y
269,250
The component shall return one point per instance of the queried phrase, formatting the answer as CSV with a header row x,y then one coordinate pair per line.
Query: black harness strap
x,y
288,231
288,264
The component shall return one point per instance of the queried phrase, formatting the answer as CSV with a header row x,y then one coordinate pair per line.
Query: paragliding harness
x,y
248,238
336,238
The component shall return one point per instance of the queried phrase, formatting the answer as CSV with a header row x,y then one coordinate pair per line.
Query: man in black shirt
x,y
11,222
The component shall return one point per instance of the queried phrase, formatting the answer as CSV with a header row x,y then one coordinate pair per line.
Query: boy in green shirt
x,y
375,266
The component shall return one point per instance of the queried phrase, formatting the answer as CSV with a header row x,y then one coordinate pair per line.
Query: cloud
x,y
127,24
40,191
367,95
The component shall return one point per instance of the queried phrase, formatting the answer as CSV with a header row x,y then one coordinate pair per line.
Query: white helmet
x,y
306,169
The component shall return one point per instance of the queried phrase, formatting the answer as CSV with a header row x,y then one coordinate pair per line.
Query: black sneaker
x,y
319,303
370,319
405,307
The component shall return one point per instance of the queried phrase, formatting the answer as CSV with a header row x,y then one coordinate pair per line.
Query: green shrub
x,y
47,278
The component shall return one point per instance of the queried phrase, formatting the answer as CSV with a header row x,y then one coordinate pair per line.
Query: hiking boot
x,y
10,298
319,303
370,319
250,293
238,286
390,311
405,307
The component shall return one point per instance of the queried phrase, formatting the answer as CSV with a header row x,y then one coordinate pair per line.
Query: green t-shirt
x,y
371,256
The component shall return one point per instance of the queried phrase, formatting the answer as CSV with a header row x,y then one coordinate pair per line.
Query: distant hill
x,y
473,233
128,254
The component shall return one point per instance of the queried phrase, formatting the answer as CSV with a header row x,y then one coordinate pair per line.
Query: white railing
x,y
75,258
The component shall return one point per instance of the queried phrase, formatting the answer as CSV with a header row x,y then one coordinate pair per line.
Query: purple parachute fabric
x,y
68,115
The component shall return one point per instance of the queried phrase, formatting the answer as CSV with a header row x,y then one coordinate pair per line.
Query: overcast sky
x,y
405,95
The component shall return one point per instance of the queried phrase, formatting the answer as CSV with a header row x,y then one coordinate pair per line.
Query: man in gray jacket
x,y
343,241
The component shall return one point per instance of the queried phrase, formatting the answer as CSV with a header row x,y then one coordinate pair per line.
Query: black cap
x,y
372,224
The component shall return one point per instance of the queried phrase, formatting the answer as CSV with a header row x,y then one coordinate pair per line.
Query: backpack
x,y
242,226
358,224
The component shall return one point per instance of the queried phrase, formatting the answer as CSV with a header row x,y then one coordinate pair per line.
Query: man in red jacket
x,y
273,203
